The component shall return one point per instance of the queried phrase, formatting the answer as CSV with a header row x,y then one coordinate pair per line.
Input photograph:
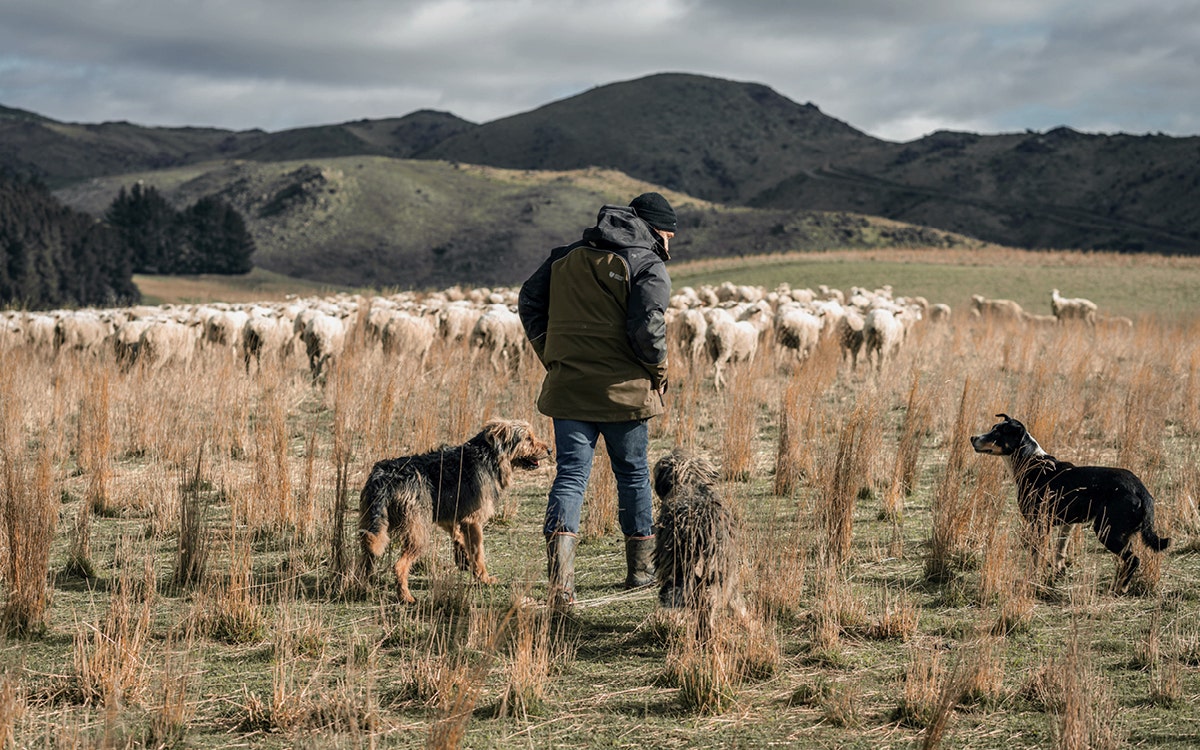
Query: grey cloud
x,y
893,69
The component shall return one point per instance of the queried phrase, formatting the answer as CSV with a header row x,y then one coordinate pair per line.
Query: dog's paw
x,y
489,579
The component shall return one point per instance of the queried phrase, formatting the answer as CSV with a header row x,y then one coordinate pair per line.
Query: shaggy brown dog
x,y
695,551
454,487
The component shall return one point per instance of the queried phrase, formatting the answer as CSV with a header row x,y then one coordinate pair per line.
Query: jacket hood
x,y
619,226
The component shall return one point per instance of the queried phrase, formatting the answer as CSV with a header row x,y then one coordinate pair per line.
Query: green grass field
x,y
1119,284
256,286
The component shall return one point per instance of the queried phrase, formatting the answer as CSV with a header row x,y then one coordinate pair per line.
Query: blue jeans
x,y
574,448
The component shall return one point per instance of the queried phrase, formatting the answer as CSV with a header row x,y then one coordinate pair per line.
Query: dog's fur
x,y
695,550
1057,493
454,487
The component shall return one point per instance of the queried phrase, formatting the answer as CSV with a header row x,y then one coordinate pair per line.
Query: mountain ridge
x,y
726,142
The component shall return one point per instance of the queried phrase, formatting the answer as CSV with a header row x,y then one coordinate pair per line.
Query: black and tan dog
x,y
1057,493
454,487
695,551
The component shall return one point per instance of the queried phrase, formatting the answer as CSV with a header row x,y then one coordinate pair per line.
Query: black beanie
x,y
655,211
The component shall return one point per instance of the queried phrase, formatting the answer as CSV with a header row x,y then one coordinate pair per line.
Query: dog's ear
x,y
504,435
1005,417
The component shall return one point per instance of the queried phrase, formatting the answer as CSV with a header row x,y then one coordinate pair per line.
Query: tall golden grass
x,y
953,513
30,517
239,490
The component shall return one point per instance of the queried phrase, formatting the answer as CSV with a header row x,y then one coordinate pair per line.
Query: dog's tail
x,y
372,521
1149,536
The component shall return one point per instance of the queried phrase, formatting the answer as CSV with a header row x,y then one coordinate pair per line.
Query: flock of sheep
x,y
1063,309
727,322
713,325
405,324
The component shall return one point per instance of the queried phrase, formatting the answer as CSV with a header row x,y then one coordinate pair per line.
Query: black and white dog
x,y
1057,493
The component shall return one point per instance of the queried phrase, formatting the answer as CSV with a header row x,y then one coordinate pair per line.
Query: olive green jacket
x,y
594,313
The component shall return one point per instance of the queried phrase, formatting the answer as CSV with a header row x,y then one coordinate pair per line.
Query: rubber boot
x,y
560,569
639,561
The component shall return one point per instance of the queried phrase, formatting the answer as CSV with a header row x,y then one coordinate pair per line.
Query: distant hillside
x,y
715,139
1060,189
381,222
726,142
743,143
401,137
61,154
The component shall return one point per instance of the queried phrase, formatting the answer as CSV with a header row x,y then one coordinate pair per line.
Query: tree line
x,y
54,256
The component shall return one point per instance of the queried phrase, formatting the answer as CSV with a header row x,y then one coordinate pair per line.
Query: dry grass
x,y
888,582
600,499
1087,713
30,516
917,414
12,707
954,513
111,659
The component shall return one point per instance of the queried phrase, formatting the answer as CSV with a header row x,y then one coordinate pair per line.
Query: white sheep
x,y
409,335
127,341
939,312
831,313
499,332
11,335
727,292
39,331
456,321
850,334
1068,309
266,335
995,309
377,319
82,332
803,296
708,296
689,328
684,299
829,293
798,329
883,333
224,330
324,339
168,342
730,339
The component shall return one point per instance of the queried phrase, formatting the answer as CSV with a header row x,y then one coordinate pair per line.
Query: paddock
x,y
197,521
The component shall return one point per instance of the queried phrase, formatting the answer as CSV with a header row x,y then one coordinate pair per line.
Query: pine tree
x,y
149,226
218,238
52,256
210,236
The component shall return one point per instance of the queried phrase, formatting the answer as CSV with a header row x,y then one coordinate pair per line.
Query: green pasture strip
x,y
1134,290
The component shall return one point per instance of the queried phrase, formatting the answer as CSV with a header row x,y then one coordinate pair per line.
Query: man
x,y
594,313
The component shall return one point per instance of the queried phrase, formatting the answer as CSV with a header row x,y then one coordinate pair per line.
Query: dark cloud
x,y
894,69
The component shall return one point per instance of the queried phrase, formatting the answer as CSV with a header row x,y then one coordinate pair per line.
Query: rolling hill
x,y
381,222
727,143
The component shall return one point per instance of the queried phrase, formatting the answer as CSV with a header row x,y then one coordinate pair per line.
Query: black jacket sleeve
x,y
533,305
646,324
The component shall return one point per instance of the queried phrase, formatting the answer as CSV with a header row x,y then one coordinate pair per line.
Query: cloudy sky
x,y
897,69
